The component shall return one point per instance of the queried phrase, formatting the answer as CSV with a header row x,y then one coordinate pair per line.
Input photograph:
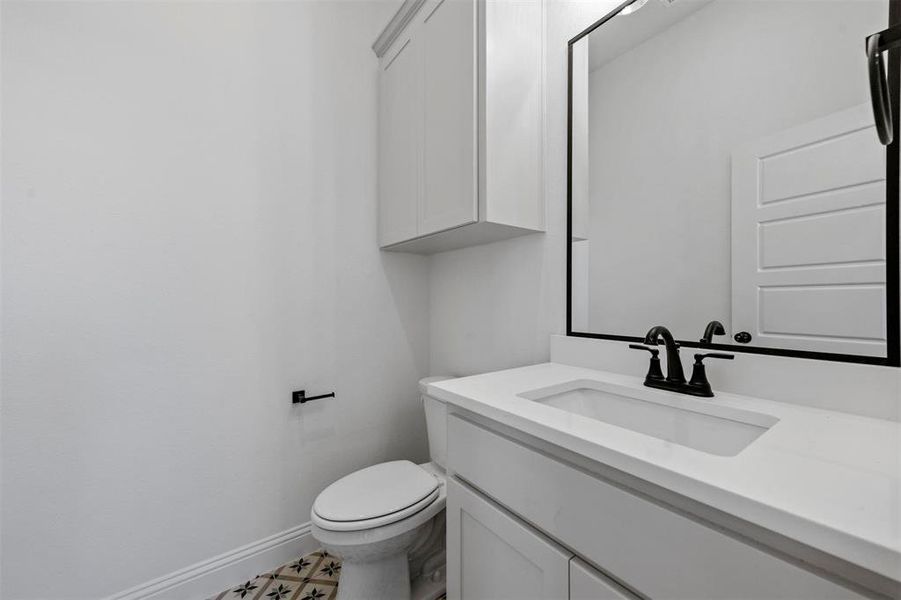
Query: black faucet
x,y
675,376
674,373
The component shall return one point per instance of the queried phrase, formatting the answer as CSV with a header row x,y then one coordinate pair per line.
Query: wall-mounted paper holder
x,y
300,396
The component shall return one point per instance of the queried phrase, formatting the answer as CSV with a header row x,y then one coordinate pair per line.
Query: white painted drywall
x,y
189,233
665,118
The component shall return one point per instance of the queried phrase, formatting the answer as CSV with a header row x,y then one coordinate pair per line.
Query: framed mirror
x,y
724,165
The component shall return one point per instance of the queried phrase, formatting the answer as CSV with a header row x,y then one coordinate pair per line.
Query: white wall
x,y
189,233
683,101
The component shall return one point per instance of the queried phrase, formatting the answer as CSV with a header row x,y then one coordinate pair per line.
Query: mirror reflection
x,y
725,167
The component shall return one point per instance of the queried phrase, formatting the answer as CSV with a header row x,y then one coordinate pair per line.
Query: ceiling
x,y
623,32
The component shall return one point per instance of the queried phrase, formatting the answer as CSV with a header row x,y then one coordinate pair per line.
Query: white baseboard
x,y
211,576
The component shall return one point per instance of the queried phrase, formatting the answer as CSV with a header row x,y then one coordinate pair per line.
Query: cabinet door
x,y
400,146
449,196
586,583
491,554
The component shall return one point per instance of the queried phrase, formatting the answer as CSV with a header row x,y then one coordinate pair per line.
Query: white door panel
x,y
817,162
808,237
780,247
823,306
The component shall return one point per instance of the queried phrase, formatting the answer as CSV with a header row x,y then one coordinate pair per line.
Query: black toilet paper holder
x,y
300,396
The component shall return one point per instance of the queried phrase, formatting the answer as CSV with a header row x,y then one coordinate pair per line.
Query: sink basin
x,y
699,424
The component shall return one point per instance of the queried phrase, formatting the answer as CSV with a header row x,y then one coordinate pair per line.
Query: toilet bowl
x,y
386,522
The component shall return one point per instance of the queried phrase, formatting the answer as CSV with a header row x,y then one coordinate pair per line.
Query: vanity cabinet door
x,y
400,148
449,196
491,554
586,583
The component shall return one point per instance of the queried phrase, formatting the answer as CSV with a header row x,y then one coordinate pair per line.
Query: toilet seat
x,y
375,496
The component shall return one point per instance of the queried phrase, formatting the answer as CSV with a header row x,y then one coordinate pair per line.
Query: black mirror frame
x,y
893,180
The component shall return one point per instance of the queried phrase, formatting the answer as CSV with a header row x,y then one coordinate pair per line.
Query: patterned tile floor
x,y
310,577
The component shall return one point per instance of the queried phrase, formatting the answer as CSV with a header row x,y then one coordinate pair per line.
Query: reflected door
x,y
808,243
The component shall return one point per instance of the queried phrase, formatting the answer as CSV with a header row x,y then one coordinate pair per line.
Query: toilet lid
x,y
396,488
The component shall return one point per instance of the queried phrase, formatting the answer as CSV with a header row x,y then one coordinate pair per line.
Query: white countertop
x,y
826,479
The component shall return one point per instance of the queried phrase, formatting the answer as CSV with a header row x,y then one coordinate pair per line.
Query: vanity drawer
x,y
651,549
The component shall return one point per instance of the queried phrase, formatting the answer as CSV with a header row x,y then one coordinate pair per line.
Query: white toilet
x,y
386,522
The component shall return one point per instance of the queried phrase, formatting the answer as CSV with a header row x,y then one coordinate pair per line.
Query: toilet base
x,y
375,564
386,566
428,562
429,588
385,578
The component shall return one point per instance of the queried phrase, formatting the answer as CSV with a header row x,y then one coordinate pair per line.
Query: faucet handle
x,y
654,351
676,344
699,380
699,358
655,373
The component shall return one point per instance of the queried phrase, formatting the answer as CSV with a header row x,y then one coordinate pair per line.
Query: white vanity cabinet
x,y
496,555
460,123
507,500
587,583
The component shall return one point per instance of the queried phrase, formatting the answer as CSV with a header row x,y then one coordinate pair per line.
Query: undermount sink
x,y
699,424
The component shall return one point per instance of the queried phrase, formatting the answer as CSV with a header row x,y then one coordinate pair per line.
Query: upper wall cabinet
x,y
460,123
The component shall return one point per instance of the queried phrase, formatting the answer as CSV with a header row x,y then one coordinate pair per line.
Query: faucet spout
x,y
674,372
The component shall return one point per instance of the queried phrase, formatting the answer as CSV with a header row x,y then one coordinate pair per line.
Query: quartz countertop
x,y
826,479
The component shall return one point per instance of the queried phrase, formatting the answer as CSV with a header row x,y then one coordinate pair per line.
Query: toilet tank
x,y
435,421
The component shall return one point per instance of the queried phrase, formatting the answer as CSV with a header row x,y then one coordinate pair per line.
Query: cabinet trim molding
x,y
397,24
